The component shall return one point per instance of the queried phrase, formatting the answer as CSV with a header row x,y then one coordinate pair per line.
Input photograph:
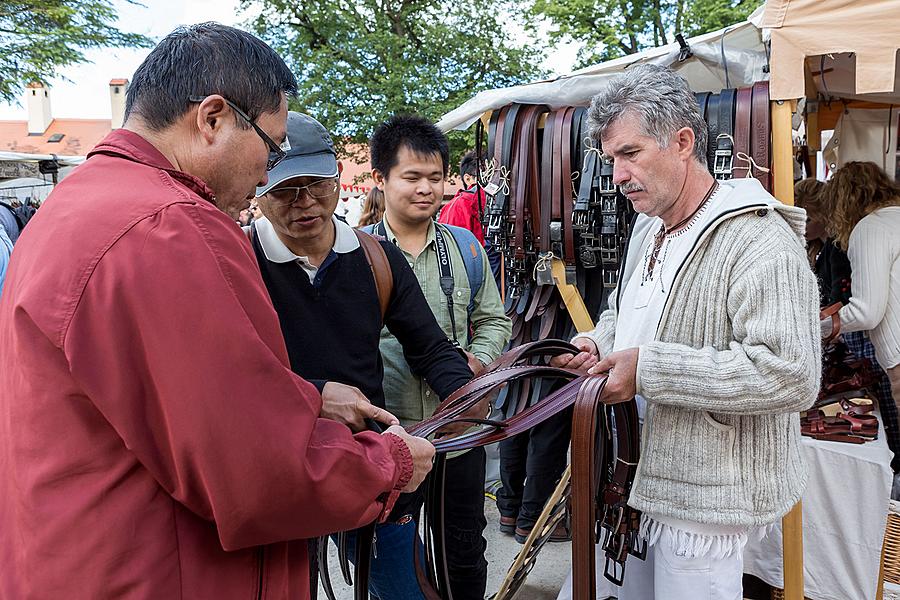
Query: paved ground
x,y
543,583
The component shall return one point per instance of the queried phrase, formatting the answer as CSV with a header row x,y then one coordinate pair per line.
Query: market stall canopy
x,y
730,57
64,161
851,48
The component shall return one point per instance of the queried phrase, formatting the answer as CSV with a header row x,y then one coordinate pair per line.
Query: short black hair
x,y
204,59
412,131
469,164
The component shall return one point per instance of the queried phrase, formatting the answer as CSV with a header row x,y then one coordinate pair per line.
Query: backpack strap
x,y
381,269
469,247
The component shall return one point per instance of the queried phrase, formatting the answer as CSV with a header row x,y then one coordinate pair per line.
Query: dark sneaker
x,y
507,525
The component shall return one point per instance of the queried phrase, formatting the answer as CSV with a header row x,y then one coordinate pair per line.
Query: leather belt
x,y
760,131
712,121
742,131
723,156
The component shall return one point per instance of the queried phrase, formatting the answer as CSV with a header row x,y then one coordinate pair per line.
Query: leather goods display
x,y
844,377
601,480
551,197
739,128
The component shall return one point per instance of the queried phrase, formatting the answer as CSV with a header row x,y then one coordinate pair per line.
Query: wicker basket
x,y
891,550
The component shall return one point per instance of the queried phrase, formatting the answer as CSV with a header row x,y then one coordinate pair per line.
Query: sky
x,y
84,93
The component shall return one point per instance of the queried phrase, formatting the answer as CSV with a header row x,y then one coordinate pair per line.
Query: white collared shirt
x,y
276,251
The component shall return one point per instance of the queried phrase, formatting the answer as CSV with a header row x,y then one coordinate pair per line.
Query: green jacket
x,y
407,396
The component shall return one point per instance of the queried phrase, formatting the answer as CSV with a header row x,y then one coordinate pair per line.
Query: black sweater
x,y
332,329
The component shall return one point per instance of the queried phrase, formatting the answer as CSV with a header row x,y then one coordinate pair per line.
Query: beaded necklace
x,y
651,257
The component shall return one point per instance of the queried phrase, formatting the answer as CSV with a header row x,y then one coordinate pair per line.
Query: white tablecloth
x,y
844,514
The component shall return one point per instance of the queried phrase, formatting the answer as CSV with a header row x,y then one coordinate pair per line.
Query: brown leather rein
x,y
601,475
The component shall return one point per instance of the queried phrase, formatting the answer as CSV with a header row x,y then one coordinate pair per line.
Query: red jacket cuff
x,y
403,458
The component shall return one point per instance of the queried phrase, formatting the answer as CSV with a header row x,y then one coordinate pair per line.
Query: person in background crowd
x,y
832,267
466,208
373,208
410,161
829,263
712,328
864,208
9,221
154,441
6,247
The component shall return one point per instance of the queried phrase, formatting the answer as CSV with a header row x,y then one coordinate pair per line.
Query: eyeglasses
x,y
276,154
318,190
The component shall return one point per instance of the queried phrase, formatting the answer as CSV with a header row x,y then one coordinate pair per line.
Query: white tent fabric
x,y
64,161
731,57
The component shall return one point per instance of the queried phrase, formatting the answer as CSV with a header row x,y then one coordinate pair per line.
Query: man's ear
x,y
378,177
340,168
211,115
684,140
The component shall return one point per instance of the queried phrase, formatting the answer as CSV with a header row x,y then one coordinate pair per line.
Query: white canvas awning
x,y
855,44
64,161
731,57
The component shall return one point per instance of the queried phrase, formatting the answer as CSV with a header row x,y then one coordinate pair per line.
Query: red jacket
x,y
154,442
462,211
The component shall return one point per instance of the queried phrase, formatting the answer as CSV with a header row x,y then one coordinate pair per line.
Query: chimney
x,y
117,101
37,100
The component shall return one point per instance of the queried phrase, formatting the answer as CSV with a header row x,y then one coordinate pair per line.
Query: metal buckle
x,y
723,164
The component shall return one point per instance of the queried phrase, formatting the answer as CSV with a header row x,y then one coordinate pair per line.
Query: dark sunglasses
x,y
276,154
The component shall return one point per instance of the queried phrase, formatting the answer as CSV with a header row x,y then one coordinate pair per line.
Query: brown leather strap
x,y
833,311
760,125
381,269
742,130
585,421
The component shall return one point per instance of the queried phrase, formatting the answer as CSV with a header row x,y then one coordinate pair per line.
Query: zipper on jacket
x,y
722,217
261,564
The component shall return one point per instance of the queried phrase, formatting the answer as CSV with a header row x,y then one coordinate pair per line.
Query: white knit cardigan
x,y
736,356
874,252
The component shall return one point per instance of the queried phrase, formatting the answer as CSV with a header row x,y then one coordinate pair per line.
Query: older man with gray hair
x,y
714,329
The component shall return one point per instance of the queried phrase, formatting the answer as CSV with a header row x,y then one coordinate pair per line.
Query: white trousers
x,y
667,576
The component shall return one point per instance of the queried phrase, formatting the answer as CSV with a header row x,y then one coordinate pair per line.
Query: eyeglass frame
x,y
274,148
305,189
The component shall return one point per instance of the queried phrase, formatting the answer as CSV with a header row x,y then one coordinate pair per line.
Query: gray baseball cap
x,y
310,153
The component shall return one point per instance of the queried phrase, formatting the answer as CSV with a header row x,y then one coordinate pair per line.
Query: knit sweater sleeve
x,y
772,363
604,333
870,264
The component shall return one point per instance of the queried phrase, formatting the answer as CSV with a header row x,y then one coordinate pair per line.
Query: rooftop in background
x,y
78,136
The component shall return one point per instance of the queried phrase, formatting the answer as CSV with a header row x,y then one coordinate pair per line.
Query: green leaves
x,y
613,28
38,38
360,61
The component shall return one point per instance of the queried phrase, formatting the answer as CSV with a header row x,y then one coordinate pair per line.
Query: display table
x,y
844,514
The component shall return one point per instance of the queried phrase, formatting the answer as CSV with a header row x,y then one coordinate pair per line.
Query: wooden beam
x,y
783,176
783,150
574,302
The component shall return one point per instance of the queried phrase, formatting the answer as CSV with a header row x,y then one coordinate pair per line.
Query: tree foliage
x,y
612,28
360,61
38,38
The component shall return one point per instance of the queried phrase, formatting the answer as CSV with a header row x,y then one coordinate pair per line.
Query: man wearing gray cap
x,y
334,288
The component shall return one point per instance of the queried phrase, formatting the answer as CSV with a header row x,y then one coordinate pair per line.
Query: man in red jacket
x,y
154,442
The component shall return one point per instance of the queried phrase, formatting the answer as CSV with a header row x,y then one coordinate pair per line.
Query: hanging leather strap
x,y
712,123
723,157
760,132
743,97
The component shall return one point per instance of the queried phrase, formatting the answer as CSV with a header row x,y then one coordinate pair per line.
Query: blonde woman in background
x,y
373,208
864,207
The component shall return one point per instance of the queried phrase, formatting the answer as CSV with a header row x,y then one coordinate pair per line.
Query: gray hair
x,y
659,96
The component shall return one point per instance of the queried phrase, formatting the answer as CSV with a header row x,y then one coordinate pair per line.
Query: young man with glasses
x,y
154,441
327,299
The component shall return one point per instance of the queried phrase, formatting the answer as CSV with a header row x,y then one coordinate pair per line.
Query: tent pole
x,y
783,165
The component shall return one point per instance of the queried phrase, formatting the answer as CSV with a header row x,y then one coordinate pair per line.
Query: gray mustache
x,y
626,188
